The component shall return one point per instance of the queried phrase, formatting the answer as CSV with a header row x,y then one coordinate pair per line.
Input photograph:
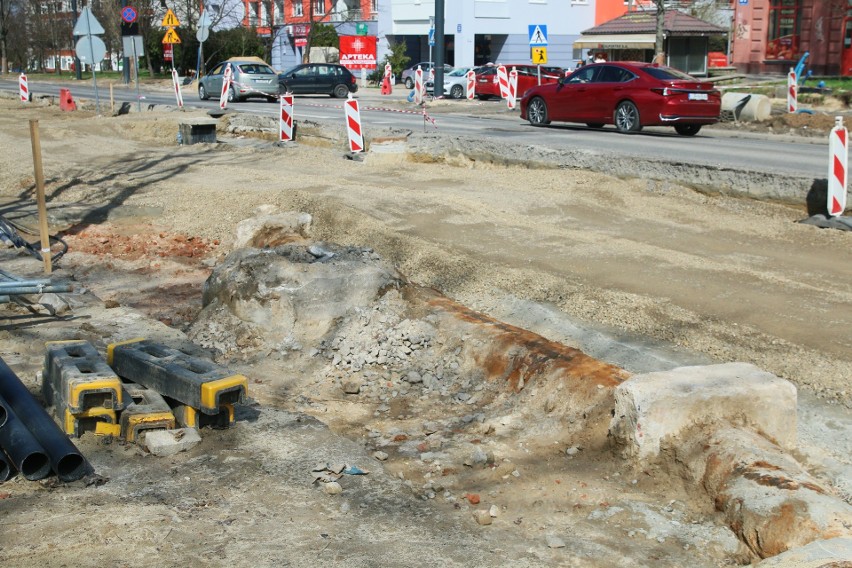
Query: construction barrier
x,y
503,81
66,102
286,120
353,124
792,91
176,82
193,381
76,378
513,89
188,417
838,147
148,411
24,88
226,85
90,420
418,85
470,90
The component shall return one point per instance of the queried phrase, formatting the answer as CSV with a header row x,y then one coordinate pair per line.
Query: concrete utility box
x,y
198,131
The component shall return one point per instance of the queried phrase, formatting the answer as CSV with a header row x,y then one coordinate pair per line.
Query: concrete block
x,y
169,442
193,381
76,378
654,408
87,421
198,131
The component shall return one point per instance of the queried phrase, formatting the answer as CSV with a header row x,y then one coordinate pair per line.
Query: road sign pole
x,y
92,57
126,60
136,63
78,73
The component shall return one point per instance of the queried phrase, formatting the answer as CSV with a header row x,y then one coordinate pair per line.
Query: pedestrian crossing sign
x,y
538,35
539,55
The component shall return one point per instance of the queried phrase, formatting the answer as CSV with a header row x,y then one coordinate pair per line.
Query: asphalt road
x,y
807,158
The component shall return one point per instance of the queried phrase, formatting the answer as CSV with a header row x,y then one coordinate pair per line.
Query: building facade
x,y
482,31
770,36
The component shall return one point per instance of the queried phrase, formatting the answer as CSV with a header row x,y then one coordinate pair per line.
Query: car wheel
x,y
537,112
594,125
483,97
627,117
202,93
232,95
409,83
687,129
340,91
457,92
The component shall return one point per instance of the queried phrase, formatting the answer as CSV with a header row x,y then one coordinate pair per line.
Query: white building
x,y
482,31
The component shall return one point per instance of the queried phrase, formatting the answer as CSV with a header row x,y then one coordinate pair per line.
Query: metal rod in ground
x,y
68,463
6,468
16,283
24,290
27,455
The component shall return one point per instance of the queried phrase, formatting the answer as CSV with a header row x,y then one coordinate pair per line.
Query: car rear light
x,y
352,79
665,91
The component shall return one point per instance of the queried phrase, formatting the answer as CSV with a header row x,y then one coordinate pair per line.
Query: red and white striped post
x,y
353,125
226,84
471,84
838,147
418,85
286,121
24,88
792,91
503,81
176,82
513,89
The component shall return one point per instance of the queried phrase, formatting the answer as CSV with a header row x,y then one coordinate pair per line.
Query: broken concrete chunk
x,y
169,442
654,407
271,229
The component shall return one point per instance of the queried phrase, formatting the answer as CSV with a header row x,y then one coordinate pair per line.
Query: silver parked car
x,y
251,77
455,83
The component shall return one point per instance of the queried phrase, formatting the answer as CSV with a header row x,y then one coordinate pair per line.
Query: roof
x,y
676,23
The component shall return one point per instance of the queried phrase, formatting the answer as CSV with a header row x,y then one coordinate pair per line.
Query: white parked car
x,y
455,83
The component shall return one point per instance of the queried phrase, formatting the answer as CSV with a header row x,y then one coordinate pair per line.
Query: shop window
x,y
785,20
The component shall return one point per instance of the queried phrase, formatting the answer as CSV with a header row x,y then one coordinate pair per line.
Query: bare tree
x,y
659,46
6,7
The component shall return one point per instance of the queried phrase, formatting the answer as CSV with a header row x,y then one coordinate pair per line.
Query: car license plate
x,y
698,96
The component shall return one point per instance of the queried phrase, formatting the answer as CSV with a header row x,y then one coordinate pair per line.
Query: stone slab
x,y
169,442
653,407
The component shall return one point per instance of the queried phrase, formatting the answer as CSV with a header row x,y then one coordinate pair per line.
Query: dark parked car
x,y
318,79
407,76
250,78
628,95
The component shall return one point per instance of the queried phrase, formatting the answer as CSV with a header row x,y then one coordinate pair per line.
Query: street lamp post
x,y
78,73
438,88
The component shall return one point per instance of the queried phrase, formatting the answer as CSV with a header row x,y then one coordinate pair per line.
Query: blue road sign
x,y
538,35
743,2
432,36
128,14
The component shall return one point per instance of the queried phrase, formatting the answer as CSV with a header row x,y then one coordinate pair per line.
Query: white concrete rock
x,y
269,228
654,407
169,442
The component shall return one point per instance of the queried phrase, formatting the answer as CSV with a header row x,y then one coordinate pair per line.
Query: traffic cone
x,y
386,86
66,102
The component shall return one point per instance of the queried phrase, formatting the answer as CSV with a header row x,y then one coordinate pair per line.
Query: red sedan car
x,y
629,95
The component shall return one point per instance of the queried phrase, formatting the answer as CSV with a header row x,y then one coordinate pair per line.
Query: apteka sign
x,y
358,52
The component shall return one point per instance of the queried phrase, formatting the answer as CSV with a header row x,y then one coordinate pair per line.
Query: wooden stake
x,y
111,100
42,207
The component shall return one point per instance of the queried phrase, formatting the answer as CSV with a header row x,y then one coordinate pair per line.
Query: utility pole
x,y
78,73
438,89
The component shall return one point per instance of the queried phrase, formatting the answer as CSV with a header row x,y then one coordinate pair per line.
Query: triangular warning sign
x,y
170,21
171,37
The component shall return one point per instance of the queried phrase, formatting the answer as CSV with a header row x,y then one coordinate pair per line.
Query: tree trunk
x,y
660,57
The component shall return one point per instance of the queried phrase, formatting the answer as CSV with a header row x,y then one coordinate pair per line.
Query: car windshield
x,y
667,74
458,72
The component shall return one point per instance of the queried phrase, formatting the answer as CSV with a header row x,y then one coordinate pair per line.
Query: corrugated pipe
x,y
24,451
65,460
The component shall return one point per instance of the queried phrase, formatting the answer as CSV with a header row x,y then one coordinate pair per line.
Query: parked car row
x,y
252,78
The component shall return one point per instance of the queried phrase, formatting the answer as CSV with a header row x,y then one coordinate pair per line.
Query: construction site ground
x,y
645,274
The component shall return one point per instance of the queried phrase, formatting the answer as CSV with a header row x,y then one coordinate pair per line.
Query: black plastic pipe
x,y
65,460
23,449
4,412
6,469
